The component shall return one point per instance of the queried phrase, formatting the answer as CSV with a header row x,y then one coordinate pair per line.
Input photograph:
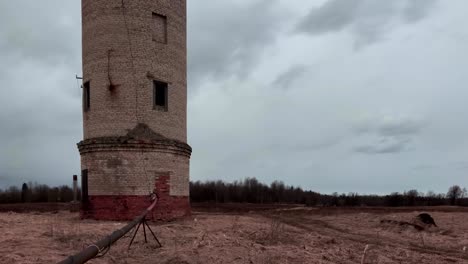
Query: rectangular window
x,y
160,96
84,186
86,97
159,26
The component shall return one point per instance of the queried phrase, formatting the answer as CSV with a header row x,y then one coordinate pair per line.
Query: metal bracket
x,y
145,224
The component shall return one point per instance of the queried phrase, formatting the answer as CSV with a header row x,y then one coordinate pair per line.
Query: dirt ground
x,y
282,235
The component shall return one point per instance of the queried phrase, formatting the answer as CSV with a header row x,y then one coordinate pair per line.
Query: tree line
x,y
250,190
36,193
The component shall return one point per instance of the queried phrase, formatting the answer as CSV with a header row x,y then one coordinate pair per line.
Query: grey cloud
x,y
287,78
389,125
313,146
400,127
387,134
385,146
424,167
6,181
25,124
461,165
246,128
416,10
457,166
334,15
38,143
227,38
369,20
306,146
36,34
40,47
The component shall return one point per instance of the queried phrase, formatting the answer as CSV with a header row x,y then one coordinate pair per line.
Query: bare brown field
x,y
247,234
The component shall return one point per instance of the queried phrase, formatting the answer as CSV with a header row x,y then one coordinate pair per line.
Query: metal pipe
x,y
93,250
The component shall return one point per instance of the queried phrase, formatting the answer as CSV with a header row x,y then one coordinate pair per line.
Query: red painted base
x,y
123,208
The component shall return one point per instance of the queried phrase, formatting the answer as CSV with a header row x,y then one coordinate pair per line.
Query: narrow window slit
x,y
160,96
86,97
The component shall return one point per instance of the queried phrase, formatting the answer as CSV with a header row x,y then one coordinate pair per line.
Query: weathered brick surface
x,y
118,45
130,148
112,207
134,171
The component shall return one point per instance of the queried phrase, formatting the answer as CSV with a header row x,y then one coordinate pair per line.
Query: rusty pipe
x,y
93,250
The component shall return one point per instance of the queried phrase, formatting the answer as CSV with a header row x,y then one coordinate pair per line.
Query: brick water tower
x,y
134,109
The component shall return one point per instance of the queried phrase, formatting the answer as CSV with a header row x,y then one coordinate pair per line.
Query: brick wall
x,y
118,45
129,147
127,207
134,171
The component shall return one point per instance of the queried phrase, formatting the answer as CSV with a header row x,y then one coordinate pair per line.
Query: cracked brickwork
x,y
124,171
129,147
134,60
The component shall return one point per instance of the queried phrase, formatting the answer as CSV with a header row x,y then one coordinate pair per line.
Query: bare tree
x,y
454,193
411,197
24,193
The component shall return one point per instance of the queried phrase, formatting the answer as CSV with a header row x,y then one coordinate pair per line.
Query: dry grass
x,y
276,237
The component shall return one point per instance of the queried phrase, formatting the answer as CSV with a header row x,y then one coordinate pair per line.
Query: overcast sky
x,y
365,96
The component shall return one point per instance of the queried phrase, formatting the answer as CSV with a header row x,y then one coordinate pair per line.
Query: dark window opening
x,y
159,26
84,186
160,95
86,97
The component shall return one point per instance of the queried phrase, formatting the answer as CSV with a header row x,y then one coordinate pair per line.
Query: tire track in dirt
x,y
323,228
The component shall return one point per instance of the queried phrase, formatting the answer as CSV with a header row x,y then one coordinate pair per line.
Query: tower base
x,y
127,207
120,173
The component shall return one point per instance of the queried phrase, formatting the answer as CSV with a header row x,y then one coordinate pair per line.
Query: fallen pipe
x,y
93,250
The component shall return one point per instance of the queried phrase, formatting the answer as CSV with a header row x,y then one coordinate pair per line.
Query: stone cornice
x,y
126,144
141,138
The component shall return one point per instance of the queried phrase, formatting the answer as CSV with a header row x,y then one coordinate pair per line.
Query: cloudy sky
x,y
340,95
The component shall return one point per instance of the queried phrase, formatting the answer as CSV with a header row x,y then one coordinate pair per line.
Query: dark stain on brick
x,y
114,163
143,131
